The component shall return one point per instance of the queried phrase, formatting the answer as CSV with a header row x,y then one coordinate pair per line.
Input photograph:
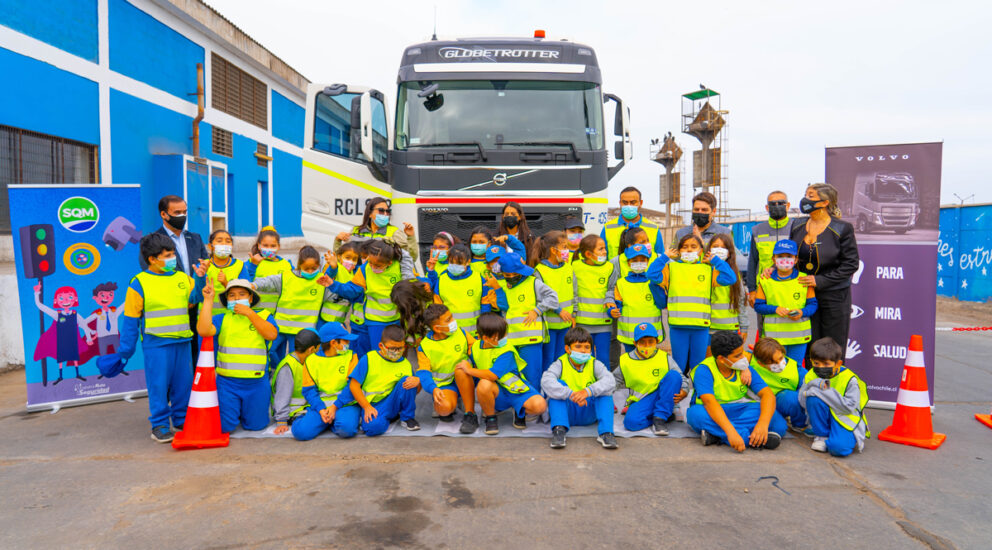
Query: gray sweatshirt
x,y
611,286
282,395
841,404
554,388
672,365
547,298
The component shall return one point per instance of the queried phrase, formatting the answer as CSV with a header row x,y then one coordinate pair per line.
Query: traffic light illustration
x,y
38,250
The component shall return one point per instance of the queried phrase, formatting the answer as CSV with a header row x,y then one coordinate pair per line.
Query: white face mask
x,y
638,267
740,364
719,252
785,264
453,326
601,259
690,257
778,367
222,250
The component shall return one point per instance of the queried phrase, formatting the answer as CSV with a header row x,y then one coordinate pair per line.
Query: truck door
x,y
345,156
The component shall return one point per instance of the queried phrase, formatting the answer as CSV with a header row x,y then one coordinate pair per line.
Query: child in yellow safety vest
x,y
438,262
688,280
478,242
288,403
551,266
630,237
156,309
654,382
299,296
784,376
785,304
499,369
336,308
243,335
580,391
223,267
381,388
461,289
594,284
638,299
265,261
325,376
835,399
439,353
728,302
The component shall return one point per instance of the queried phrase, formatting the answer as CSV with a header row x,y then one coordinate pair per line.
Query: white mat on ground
x,y
432,426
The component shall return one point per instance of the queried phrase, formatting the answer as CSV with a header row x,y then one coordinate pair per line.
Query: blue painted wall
x,y
287,195
964,253
49,100
288,119
70,25
144,49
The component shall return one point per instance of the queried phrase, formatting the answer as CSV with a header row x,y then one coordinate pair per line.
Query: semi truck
x,y
885,201
478,122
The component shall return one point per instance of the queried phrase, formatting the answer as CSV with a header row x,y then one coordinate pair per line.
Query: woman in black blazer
x,y
828,254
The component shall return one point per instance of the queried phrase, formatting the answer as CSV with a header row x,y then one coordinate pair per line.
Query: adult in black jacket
x,y
828,254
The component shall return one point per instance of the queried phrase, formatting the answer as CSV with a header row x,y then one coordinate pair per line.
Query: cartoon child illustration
x,y
63,334
104,319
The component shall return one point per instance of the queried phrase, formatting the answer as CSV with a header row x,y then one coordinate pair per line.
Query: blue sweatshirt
x,y
133,319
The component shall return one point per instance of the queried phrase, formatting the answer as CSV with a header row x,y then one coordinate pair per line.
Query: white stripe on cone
x,y
206,399
206,359
913,359
913,398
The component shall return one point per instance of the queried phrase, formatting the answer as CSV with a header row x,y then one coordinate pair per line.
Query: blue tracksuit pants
x,y
598,410
796,352
243,401
657,404
310,425
554,347
400,403
787,405
361,346
840,440
743,416
689,345
375,334
169,378
600,346
278,349
533,356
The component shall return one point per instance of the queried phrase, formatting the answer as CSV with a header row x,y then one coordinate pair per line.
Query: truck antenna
x,y
434,36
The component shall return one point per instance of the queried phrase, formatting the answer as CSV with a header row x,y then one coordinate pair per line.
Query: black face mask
x,y
824,372
177,222
510,221
700,219
807,206
777,211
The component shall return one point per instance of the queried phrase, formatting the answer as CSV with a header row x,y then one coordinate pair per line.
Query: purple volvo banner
x,y
891,193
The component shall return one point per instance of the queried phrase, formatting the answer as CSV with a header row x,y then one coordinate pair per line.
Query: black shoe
x,y
773,441
607,440
411,425
659,427
558,437
519,422
161,434
492,425
470,423
447,418
80,376
708,438
57,380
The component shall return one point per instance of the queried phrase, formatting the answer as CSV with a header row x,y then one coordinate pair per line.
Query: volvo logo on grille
x,y
433,210
500,178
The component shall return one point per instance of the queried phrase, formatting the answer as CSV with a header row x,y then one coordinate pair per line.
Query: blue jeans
x,y
657,404
243,401
787,405
689,345
598,410
534,367
840,440
169,379
743,416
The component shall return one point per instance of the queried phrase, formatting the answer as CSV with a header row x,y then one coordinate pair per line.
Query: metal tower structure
x,y
668,154
704,118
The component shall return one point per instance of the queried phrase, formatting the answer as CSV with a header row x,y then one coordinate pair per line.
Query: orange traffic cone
x,y
202,427
912,424
984,419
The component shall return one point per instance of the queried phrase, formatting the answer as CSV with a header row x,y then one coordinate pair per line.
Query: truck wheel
x,y
862,225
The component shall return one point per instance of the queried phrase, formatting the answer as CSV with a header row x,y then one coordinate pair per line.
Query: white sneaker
x,y
819,444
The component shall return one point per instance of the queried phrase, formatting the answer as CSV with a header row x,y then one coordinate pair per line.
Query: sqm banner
x,y
76,249
891,193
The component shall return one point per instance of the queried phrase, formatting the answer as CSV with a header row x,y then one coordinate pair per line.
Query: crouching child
x,y
325,376
654,380
834,398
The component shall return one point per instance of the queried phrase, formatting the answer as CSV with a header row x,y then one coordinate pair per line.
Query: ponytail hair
x,y
587,244
542,247
410,297
629,237
828,193
387,250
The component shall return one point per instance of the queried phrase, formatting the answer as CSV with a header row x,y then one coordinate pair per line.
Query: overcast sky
x,y
795,76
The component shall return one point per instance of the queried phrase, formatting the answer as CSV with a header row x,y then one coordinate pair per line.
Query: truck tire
x,y
862,225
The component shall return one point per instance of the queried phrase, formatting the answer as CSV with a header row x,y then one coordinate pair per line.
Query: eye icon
x,y
856,311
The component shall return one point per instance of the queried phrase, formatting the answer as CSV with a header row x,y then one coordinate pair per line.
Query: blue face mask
x,y
381,220
628,211
170,264
502,342
478,249
309,275
442,255
579,357
456,269
232,303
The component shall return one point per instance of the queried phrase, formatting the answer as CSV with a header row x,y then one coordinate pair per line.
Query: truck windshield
x,y
497,113
894,188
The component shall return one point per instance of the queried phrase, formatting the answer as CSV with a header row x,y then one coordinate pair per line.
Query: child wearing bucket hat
x,y
785,304
243,337
325,376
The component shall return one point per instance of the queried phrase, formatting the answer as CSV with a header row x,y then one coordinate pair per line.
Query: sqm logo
x,y
78,214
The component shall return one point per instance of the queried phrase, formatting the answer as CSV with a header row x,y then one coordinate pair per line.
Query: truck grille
x,y
898,216
461,220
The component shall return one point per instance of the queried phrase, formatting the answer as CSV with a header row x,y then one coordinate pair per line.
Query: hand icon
x,y
853,349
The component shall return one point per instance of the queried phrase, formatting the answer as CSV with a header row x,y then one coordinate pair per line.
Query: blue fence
x,y
964,251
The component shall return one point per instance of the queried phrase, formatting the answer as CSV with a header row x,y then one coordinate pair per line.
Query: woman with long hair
x,y
513,224
376,225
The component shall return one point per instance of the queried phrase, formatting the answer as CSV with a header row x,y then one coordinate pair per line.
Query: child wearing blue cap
x,y
654,381
325,375
580,391
639,301
785,303
524,299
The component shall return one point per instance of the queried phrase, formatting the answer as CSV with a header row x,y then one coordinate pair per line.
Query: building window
x,y
221,142
262,154
30,157
237,93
